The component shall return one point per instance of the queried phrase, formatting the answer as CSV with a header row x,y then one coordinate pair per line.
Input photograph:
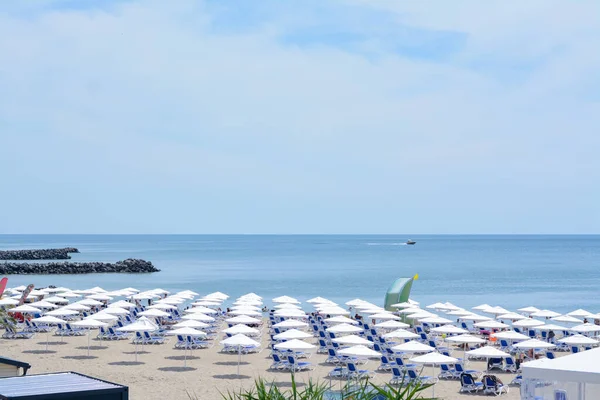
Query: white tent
x,y
578,375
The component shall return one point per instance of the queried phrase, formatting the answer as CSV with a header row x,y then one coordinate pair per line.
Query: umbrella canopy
x,y
359,351
401,334
391,325
578,340
8,302
153,313
258,313
240,319
191,324
580,313
288,305
240,340
49,320
551,327
203,310
583,328
434,358
413,347
198,317
290,323
491,324
533,344
404,304
62,311
436,320
116,311
410,310
340,319
102,297
90,323
333,311
527,323
460,313
437,306
567,319
102,316
141,325
481,307
25,309
285,299
420,315
89,302
207,303
512,316
292,334
217,295
495,310
352,339
43,304
241,328
56,299
450,329
474,318
318,300
545,314
488,352
384,316
294,344
344,328
186,331
529,309
510,335
78,307
465,339
162,306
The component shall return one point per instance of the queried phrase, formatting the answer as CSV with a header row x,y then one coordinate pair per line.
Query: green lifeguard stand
x,y
399,292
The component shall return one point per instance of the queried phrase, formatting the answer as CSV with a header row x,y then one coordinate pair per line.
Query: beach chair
x,y
201,344
447,373
532,333
400,363
12,333
460,369
495,363
153,339
468,384
299,365
560,394
517,380
333,357
103,334
510,365
386,364
491,385
114,335
355,373
574,349
550,355
398,377
423,379
322,347
74,331
504,346
278,363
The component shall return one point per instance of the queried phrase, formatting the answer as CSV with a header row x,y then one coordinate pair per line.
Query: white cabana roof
x,y
580,367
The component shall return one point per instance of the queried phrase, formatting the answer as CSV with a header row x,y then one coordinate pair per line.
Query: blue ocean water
x,y
557,272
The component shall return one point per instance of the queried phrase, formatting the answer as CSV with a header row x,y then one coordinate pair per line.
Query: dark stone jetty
x,y
42,254
129,266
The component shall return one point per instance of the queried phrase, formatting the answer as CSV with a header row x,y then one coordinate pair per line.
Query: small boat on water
x,y
409,241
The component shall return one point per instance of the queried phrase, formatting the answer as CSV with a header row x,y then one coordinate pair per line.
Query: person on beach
x,y
551,336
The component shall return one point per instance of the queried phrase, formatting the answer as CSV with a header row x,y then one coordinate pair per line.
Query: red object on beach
x,y
3,283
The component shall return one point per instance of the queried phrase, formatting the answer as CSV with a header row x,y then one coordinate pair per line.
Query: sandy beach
x,y
159,372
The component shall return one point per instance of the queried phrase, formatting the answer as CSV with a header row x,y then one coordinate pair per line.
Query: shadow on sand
x,y
92,348
181,358
39,351
139,352
231,376
231,363
52,343
177,369
127,363
79,357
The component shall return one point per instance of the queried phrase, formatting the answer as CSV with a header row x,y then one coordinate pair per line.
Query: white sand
x,y
159,373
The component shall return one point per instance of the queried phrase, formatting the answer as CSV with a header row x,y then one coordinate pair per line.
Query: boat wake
x,y
386,244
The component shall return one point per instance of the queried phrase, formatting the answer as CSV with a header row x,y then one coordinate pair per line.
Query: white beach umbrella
x,y
56,299
449,329
241,328
340,319
434,359
68,295
290,323
43,304
89,324
404,304
481,307
585,328
116,311
287,305
551,327
510,335
495,310
62,312
410,310
529,310
466,338
332,311
48,320
474,318
487,352
384,316
141,325
413,347
436,320
153,313
545,314
533,344
206,303
246,307
344,328
437,306
247,303
100,297
459,313
294,345
491,324
190,323
292,334
527,323
318,300
421,315
77,307
171,300
217,295
102,316
353,340
199,317
580,313
201,309
578,340
241,319
254,313
391,325
290,313
400,334
186,331
240,341
511,316
25,309
162,306
285,299
567,319
8,302
351,303
122,304
90,302
359,351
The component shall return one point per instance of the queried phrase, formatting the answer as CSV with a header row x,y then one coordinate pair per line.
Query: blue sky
x,y
341,116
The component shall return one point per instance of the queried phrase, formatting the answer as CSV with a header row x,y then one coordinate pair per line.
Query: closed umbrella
x,y
240,341
90,324
186,331
48,320
434,358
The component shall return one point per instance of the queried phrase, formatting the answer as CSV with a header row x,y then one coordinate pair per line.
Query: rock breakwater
x,y
38,254
128,266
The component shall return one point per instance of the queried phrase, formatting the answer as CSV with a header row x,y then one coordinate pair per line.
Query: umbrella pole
x,y
88,342
239,359
184,357
433,376
47,336
135,351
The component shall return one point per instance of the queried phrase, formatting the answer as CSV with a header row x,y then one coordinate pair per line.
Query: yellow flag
x,y
416,277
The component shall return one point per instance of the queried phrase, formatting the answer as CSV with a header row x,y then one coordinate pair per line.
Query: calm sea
x,y
557,272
